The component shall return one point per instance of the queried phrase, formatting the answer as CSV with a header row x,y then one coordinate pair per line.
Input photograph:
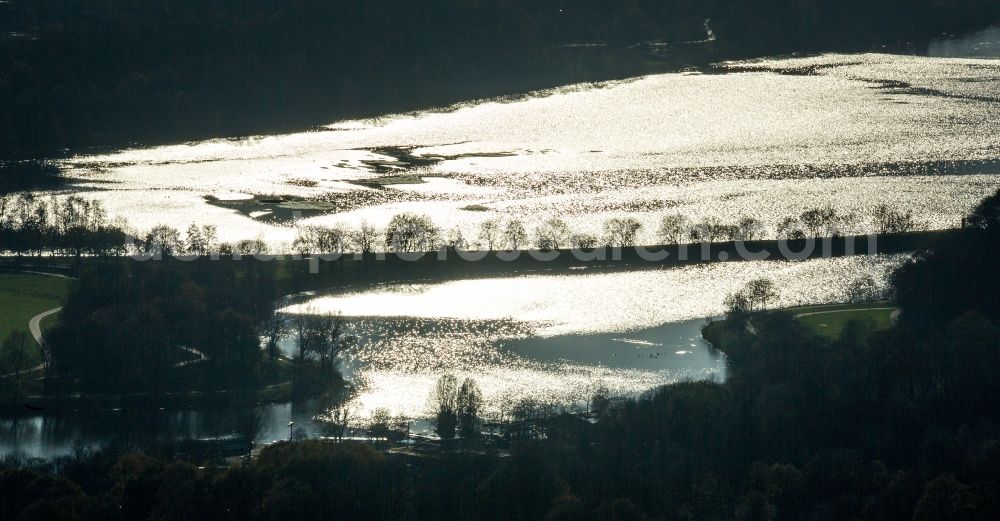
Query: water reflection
x,y
765,138
550,305
53,435
554,338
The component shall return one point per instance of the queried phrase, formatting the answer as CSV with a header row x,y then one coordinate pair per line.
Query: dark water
x,y
52,436
672,351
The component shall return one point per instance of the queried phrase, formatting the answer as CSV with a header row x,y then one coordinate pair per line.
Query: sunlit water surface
x,y
555,338
765,138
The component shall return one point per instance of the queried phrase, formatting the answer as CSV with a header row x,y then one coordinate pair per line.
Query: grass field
x,y
829,321
24,295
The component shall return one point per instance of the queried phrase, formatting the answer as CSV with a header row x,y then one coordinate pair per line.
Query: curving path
x,y
35,326
895,312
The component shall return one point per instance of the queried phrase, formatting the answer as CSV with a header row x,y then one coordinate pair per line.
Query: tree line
x,y
408,232
74,226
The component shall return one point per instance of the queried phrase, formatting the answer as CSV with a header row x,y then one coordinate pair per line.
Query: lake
x,y
766,138
555,338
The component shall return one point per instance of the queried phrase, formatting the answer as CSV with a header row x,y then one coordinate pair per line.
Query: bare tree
x,y
749,229
863,290
409,232
321,239
444,401
337,420
250,247
583,241
468,404
515,235
210,237
710,229
323,335
738,303
892,220
551,234
791,228
621,232
489,234
299,434
380,425
755,296
600,399
824,222
456,240
761,292
306,240
365,238
273,328
250,423
161,240
338,412
672,228
193,241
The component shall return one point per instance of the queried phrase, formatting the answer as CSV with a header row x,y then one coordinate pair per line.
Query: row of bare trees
x,y
760,293
73,225
408,232
31,225
164,240
828,222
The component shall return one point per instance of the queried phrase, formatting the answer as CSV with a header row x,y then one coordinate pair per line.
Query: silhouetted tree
x,y
551,234
583,241
515,235
749,229
365,238
444,400
468,405
621,232
892,220
673,228
409,232
489,234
